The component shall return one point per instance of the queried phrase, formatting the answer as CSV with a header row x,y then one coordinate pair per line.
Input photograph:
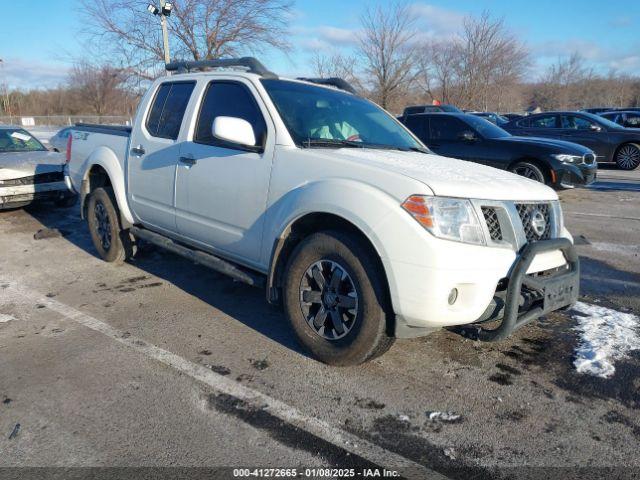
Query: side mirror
x,y
234,130
468,136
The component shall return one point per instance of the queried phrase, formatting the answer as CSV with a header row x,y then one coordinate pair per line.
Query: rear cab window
x,y
167,110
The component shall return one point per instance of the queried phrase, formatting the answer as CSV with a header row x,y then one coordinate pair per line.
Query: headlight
x,y
566,158
449,218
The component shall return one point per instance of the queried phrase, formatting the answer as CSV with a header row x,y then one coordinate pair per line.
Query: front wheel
x,y
529,170
335,301
110,240
628,156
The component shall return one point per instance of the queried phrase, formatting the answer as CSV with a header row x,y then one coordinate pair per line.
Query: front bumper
x,y
529,296
569,176
24,194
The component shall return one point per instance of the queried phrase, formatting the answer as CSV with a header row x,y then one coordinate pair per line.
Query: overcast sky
x,y
39,37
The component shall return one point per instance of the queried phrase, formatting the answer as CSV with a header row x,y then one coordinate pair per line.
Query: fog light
x,y
453,296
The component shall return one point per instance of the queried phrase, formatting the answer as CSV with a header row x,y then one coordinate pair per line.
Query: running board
x,y
200,257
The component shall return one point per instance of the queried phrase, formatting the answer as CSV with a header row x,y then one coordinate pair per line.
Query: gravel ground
x,y
84,374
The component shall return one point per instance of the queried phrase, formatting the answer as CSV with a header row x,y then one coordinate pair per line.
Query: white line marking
x,y
221,384
601,215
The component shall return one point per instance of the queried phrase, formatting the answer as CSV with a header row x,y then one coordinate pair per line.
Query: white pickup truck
x,y
305,188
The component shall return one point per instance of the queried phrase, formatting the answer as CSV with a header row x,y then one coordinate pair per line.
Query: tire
x,y
112,242
67,202
529,170
628,156
360,334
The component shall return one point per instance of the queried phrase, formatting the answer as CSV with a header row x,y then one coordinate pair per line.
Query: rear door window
x,y
228,99
447,128
167,111
545,121
418,124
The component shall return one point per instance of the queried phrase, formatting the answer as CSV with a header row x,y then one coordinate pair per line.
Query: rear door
x,y
222,188
153,156
541,126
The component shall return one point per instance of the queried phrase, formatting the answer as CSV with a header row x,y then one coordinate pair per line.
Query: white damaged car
x,y
29,172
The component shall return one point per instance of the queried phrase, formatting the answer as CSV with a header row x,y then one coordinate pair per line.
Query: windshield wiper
x,y
331,143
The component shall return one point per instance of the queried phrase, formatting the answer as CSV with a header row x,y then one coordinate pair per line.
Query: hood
x,y
26,164
450,177
560,145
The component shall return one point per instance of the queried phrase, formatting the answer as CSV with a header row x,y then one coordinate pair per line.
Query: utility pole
x,y
163,12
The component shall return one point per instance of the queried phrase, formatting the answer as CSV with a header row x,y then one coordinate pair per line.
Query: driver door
x,y
221,187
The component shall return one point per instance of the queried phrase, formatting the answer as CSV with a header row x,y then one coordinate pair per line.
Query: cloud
x,y
324,37
437,20
23,75
602,59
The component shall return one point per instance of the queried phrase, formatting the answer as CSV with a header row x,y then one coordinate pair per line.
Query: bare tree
x,y
477,68
99,88
198,29
385,44
337,65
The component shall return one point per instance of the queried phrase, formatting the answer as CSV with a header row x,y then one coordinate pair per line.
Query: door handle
x,y
138,151
190,161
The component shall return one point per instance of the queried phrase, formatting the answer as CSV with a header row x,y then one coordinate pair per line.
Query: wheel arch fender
x,y
337,203
104,159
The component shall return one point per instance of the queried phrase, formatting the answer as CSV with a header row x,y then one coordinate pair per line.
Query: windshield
x,y
324,118
601,120
485,128
18,140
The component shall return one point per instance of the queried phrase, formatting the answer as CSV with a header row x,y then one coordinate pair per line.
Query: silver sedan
x,y
29,172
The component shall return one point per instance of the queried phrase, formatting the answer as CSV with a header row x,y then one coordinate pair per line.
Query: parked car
x,y
468,137
412,110
610,141
493,117
330,203
29,172
59,141
626,119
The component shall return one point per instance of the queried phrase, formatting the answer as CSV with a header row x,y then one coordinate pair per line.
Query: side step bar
x,y
200,257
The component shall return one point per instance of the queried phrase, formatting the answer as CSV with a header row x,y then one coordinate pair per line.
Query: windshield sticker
x,y
21,136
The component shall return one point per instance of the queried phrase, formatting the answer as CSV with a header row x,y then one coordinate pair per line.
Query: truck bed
x,y
122,130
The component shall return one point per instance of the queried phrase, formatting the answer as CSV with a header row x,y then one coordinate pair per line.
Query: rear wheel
x,y
529,170
334,299
112,242
628,156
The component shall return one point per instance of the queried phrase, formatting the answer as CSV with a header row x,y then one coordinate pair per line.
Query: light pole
x,y
163,12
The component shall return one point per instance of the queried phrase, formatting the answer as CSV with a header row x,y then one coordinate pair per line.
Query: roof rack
x,y
333,82
249,63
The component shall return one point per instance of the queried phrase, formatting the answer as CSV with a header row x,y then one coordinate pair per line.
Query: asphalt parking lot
x,y
163,363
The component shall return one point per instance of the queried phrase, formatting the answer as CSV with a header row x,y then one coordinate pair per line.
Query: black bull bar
x,y
552,292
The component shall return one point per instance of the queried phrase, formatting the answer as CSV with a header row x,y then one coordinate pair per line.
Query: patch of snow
x,y
403,418
443,416
606,335
4,318
450,453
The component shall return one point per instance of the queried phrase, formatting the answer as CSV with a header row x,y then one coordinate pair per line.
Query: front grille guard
x,y
527,290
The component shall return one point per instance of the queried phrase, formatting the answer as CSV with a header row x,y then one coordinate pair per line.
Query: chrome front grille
x,y
514,224
493,223
536,220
